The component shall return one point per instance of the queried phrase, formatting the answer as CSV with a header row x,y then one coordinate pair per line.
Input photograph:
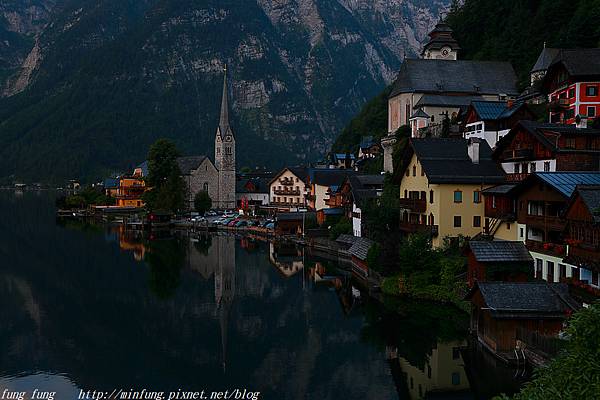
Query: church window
x,y
227,150
206,186
218,150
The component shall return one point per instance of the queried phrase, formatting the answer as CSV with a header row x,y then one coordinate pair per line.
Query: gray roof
x,y
190,163
500,189
329,177
455,76
295,216
590,195
441,100
370,180
579,62
346,239
545,59
361,248
447,161
526,299
419,114
500,251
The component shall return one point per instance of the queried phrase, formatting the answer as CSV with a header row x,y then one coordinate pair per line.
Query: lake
x,y
94,308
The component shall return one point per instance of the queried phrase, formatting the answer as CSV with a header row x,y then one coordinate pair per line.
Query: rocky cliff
x,y
96,81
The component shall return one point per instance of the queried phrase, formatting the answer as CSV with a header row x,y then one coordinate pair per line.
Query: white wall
x,y
509,167
356,222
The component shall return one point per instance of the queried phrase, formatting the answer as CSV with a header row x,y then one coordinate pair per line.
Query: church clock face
x,y
228,139
445,52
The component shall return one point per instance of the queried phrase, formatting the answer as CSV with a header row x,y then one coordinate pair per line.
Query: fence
x,y
549,345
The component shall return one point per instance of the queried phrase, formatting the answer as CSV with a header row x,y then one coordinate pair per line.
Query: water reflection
x,y
98,307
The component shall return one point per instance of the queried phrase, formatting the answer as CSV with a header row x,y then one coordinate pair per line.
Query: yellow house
x,y
441,187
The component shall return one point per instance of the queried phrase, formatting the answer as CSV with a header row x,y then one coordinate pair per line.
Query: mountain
x,y
518,36
102,79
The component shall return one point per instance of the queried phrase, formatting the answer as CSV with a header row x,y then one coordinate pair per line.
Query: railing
x,y
289,192
517,154
516,177
550,345
546,248
415,205
588,253
409,227
544,222
286,203
286,182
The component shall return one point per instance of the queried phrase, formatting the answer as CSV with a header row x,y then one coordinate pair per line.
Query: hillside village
x,y
469,165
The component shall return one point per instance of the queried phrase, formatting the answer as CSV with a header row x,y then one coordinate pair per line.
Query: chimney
x,y
473,150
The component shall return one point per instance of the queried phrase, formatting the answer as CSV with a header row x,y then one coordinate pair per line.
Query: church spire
x,y
224,120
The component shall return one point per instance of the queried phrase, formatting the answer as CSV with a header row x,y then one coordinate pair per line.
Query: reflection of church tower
x,y
225,154
225,286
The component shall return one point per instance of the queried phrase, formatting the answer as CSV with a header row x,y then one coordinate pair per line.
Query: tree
x,y
575,373
202,202
167,188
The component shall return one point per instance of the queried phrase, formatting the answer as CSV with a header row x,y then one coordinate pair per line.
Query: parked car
x,y
241,223
210,214
232,223
270,225
198,219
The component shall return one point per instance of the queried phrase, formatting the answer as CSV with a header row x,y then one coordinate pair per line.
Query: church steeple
x,y
224,120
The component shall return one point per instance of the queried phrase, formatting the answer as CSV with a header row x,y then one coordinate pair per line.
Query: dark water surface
x,y
91,308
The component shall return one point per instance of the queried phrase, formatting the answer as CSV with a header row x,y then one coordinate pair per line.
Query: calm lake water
x,y
91,308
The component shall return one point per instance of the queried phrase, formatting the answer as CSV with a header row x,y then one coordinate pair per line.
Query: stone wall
x,y
205,174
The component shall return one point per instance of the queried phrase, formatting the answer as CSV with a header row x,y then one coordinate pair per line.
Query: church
x,y
218,179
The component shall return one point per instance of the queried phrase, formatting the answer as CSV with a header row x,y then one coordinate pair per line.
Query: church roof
x,y
545,59
579,62
224,127
190,163
455,76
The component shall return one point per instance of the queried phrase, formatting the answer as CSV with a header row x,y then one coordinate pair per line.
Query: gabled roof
x,y
260,183
189,163
525,299
419,114
545,59
111,183
300,172
455,76
144,167
566,182
540,130
447,161
500,189
590,195
328,177
578,62
500,251
495,110
360,248
346,239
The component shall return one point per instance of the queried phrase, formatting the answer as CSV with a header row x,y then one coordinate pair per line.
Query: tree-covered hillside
x,y
507,30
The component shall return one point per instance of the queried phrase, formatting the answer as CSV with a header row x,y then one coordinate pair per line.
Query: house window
x,y
457,196
431,196
591,111
595,278
532,167
407,172
455,353
476,221
591,91
521,233
422,172
494,201
546,166
405,193
550,273
570,143
476,196
571,93
562,270
538,268
429,371
456,378
517,168
457,221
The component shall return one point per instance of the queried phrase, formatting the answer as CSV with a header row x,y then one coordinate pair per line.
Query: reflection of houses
x,y
498,260
132,241
286,257
534,147
443,373
502,312
440,191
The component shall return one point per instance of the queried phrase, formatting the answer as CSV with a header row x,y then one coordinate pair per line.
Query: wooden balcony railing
x,y
286,182
409,227
288,192
516,177
544,223
582,252
415,205
551,249
517,154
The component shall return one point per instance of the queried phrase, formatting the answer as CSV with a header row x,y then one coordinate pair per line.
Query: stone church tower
x,y
225,155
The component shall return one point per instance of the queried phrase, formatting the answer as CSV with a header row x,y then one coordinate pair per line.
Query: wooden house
x,y
498,260
501,310
536,147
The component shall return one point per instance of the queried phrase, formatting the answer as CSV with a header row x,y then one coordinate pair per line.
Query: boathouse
x,y
498,260
503,310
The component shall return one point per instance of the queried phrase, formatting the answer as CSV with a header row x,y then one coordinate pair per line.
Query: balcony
x,y
287,192
544,223
415,205
551,249
516,177
559,104
409,227
286,204
584,254
518,154
286,182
